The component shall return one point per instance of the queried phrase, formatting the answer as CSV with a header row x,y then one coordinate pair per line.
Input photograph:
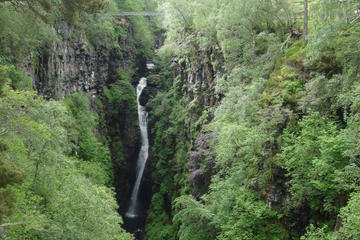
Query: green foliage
x,y
42,138
229,212
25,26
319,172
316,234
286,128
241,36
286,81
72,9
141,27
350,218
121,104
350,223
9,175
158,224
249,218
16,78
100,29
194,219
288,120
97,163
121,95
170,154
144,39
21,33
39,9
331,53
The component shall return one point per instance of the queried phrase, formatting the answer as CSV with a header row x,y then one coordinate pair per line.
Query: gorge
x,y
144,152
135,211
179,119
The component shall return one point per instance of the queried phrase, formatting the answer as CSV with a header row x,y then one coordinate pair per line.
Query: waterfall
x,y
144,151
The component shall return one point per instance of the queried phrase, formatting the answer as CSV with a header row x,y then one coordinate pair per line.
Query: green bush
x,y
40,138
88,147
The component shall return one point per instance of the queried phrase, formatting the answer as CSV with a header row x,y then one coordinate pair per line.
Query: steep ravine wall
x,y
71,64
187,94
198,76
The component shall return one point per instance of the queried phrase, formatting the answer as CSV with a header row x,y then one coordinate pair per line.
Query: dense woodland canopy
x,y
283,160
271,86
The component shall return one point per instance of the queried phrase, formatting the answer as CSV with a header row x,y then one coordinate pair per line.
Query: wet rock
x,y
202,162
150,91
196,176
145,96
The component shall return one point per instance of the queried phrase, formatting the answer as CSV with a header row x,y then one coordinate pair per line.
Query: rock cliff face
x,y
202,163
71,64
198,77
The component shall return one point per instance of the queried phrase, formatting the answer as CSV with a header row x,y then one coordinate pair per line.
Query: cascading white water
x,y
144,151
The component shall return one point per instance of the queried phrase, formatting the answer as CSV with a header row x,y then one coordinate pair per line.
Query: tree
x,y
320,173
306,15
38,7
9,175
39,140
350,218
71,8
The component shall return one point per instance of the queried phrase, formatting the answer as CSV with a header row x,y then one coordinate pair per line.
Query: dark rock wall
x,y
71,64
202,163
198,76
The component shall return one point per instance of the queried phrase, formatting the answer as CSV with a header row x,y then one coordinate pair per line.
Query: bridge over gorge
x,y
145,14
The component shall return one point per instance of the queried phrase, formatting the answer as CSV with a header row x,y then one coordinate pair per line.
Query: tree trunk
x,y
2,234
306,19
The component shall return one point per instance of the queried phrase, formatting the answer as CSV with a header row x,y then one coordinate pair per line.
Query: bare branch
x,y
3,131
11,224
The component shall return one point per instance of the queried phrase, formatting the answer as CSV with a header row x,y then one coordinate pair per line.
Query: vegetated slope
x,y
256,134
56,176
58,157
